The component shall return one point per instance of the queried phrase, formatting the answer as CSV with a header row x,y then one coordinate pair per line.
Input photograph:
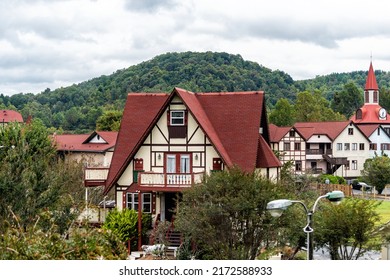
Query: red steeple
x,y
371,80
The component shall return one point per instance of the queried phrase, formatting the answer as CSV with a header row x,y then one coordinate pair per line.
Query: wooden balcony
x,y
95,176
318,151
151,179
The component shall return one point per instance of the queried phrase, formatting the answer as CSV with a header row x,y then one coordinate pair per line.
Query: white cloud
x,y
46,43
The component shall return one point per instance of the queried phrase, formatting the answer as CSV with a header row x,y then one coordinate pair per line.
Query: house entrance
x,y
168,206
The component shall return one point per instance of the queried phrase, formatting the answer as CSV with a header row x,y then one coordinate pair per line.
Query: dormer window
x,y
177,123
359,114
177,118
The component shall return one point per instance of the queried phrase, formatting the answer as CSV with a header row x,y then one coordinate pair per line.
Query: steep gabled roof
x,y
368,129
276,133
139,115
330,129
7,116
80,143
265,156
371,79
222,117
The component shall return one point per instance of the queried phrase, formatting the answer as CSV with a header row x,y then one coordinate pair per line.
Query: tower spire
x,y
371,83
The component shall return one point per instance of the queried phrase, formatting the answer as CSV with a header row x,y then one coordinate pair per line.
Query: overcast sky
x,y
55,43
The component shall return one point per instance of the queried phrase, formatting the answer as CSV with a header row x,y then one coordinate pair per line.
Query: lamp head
x,y
276,207
335,196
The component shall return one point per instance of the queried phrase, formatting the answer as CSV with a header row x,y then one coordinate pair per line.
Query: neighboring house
x,y
167,142
353,145
338,148
95,150
290,146
7,116
379,139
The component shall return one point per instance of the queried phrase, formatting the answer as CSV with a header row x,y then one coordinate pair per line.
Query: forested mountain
x,y
77,107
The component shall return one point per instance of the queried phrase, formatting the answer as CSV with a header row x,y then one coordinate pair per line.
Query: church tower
x,y
371,112
371,89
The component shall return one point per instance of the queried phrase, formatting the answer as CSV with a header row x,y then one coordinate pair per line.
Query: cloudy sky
x,y
55,43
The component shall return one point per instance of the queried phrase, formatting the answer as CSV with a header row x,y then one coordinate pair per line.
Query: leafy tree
x,y
225,215
313,107
347,101
32,179
332,179
377,172
35,243
283,114
385,98
124,224
348,229
109,121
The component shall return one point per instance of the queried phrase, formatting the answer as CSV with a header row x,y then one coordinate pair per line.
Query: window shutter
x,y
124,200
168,118
153,203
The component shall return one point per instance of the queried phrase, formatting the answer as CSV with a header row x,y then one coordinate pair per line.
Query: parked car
x,y
361,186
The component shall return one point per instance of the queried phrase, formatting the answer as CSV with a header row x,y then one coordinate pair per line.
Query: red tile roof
x,y
139,115
222,116
330,129
276,133
266,157
371,80
368,129
370,115
7,116
80,142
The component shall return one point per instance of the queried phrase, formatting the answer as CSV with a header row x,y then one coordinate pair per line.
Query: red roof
x,y
7,116
221,116
80,142
371,80
266,157
368,129
370,115
276,133
139,115
330,129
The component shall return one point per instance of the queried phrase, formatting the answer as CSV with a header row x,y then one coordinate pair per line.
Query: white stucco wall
x,y
359,156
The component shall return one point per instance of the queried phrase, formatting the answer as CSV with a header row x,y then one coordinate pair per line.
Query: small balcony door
x,y
178,163
178,169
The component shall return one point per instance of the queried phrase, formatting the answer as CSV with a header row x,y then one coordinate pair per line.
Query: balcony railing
x,y
318,151
95,176
168,180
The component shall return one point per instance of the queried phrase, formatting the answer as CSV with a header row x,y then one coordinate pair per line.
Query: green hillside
x,y
77,107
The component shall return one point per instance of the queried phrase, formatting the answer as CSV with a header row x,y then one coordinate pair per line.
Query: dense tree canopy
x,y
348,100
77,107
226,217
32,179
347,230
377,172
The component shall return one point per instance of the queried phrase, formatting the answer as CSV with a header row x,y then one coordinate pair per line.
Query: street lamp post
x,y
276,208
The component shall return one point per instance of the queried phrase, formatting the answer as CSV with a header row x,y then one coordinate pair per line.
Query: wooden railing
x,y
95,176
168,179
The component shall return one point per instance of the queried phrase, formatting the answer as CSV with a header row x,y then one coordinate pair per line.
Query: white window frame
x,y
132,203
174,118
339,146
